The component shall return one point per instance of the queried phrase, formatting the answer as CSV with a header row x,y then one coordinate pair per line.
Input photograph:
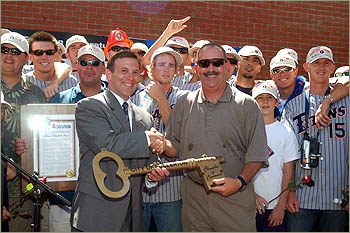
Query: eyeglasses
x,y
141,53
180,50
14,51
93,63
345,73
285,69
232,61
217,62
118,48
40,52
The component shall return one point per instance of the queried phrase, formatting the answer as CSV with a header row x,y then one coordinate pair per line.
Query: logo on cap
x,y
119,35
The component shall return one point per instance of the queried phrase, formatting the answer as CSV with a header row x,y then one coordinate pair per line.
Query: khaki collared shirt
x,y
233,127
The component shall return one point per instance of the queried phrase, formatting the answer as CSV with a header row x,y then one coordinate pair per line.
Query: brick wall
x,y
269,25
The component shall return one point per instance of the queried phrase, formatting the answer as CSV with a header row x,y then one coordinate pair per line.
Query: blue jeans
x,y
328,220
262,223
166,215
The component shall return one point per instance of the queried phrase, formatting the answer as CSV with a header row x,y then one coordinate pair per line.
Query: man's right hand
x,y
157,141
176,26
292,203
21,146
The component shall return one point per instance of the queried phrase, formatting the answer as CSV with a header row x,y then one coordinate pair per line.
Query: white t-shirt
x,y
283,148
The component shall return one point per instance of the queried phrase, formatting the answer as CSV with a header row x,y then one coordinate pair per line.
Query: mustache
x,y
211,73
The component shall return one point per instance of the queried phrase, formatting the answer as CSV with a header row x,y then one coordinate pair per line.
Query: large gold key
x,y
209,169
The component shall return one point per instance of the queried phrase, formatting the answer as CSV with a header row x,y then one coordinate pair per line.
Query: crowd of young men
x,y
177,101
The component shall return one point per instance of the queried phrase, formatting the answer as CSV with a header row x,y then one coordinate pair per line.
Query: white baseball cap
x,y
75,39
264,87
140,46
17,40
199,44
161,50
92,50
282,60
229,50
319,52
250,50
289,52
177,40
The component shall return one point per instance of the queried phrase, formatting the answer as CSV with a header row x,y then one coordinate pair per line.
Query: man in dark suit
x,y
109,120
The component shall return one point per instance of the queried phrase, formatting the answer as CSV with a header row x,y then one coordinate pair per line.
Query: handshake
x,y
157,141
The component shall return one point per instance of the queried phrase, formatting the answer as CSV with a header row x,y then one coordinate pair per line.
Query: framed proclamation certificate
x,y
50,131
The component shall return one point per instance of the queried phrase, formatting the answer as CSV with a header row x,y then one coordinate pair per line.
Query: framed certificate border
x,y
56,121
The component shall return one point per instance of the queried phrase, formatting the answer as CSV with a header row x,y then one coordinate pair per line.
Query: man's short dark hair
x,y
42,36
212,45
122,54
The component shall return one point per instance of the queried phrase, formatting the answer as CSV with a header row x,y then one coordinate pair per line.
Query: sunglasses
x,y
180,50
40,52
14,51
232,61
345,73
285,69
118,48
217,62
141,53
93,63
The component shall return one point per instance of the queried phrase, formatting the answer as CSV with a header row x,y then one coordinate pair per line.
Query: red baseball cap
x,y
116,36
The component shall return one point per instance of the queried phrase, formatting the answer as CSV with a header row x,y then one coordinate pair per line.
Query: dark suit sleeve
x,y
99,128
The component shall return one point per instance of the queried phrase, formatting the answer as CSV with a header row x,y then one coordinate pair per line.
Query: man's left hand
x,y
226,186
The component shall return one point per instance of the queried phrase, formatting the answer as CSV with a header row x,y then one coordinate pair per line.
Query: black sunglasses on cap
x,y
285,69
217,62
93,63
118,48
40,52
345,73
232,61
180,50
14,51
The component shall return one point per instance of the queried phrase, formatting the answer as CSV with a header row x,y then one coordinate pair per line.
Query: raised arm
x,y
174,26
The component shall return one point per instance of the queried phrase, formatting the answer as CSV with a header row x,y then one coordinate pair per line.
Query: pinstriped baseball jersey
x,y
168,189
331,174
69,82
182,82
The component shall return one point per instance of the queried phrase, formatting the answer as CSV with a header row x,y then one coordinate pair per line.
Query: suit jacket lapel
x,y
137,119
117,110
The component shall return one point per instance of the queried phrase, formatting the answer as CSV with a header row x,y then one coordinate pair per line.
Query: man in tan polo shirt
x,y
218,120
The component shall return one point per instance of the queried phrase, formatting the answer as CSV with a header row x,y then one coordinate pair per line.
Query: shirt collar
x,y
225,97
120,99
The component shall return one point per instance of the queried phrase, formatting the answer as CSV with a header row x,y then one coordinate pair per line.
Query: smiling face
x,y
212,77
44,63
11,65
284,80
124,79
164,68
320,70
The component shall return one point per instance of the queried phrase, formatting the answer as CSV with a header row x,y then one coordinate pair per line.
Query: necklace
x,y
159,116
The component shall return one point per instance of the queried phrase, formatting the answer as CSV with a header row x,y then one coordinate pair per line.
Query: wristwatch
x,y
330,98
244,184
